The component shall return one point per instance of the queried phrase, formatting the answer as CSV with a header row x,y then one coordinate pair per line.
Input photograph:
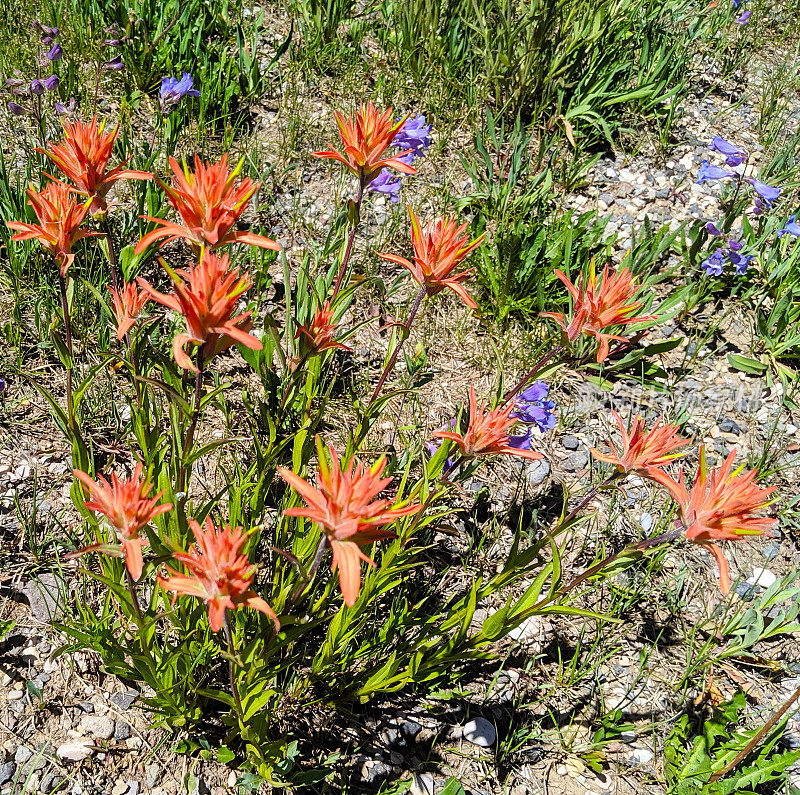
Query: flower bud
x,y
17,110
116,64
37,87
14,82
51,83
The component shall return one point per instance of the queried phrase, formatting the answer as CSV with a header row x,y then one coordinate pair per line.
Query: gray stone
x,y
772,550
121,730
45,595
373,771
23,754
571,442
410,728
7,770
576,461
125,699
480,732
727,425
86,706
536,472
48,783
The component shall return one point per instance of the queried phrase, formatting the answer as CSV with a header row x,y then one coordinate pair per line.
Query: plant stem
x,y
396,352
137,608
670,535
532,372
188,440
351,238
62,282
588,497
105,228
231,665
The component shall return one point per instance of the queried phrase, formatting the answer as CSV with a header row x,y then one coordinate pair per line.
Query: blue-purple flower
x,y
37,87
414,135
791,228
743,19
2,386
712,229
534,408
767,193
51,83
734,155
714,264
55,52
174,90
708,172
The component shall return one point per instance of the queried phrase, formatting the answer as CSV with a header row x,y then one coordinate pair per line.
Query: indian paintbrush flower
x,y
345,507
317,336
127,304
60,218
206,295
366,135
597,306
439,248
83,157
129,508
219,573
720,507
644,452
210,201
488,432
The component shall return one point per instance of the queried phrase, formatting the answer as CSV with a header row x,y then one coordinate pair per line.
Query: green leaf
x,y
744,363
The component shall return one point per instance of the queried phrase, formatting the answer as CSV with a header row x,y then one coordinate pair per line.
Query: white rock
x,y
646,521
422,784
480,732
763,578
15,695
640,756
97,725
74,752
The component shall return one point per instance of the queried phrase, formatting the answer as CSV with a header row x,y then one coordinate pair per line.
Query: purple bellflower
x,y
708,172
767,193
734,155
173,91
37,87
55,52
51,83
743,19
712,230
116,64
415,135
534,408
791,228
714,264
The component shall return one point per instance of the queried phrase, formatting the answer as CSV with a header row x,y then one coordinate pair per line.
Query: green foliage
x,y
581,66
694,753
